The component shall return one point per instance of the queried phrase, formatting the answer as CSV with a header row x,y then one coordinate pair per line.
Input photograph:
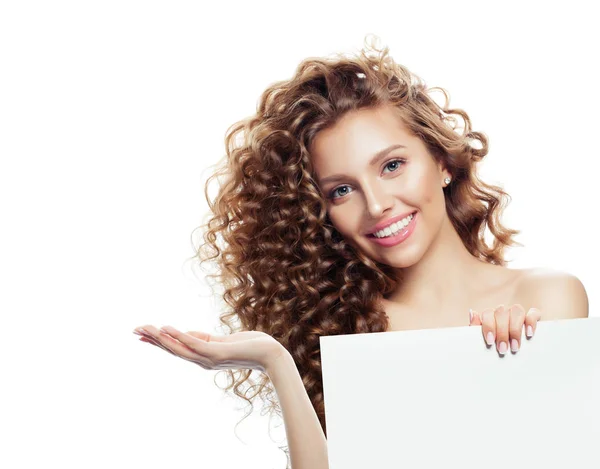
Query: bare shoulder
x,y
557,294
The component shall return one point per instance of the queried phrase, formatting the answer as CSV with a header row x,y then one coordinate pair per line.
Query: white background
x,y
109,114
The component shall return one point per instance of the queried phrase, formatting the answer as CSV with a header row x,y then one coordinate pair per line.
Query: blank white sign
x,y
439,398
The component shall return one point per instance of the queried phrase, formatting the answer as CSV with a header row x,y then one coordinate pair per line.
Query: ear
x,y
444,173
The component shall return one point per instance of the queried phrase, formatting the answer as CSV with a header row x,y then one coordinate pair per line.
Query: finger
x,y
502,324
474,318
150,341
531,319
234,337
147,335
142,330
205,336
169,343
159,345
201,347
488,326
516,321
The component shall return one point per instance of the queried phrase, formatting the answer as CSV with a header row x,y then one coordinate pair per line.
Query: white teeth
x,y
393,228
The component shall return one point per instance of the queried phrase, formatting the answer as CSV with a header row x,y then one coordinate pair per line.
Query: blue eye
x,y
334,191
400,162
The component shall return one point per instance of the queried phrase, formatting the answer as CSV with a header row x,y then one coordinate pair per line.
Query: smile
x,y
395,238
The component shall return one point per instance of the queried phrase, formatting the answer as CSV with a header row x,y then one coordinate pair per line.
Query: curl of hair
x,y
284,268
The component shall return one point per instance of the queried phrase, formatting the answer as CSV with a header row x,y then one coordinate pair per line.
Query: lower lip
x,y
398,237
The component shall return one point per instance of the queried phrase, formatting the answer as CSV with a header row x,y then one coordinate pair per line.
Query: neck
x,y
443,277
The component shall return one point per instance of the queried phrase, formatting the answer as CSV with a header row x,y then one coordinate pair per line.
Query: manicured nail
x,y
489,338
514,345
140,331
502,348
529,331
470,315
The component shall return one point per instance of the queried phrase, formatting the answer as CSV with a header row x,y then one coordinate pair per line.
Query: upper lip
x,y
388,222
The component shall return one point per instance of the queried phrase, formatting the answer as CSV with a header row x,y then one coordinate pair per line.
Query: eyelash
x,y
399,160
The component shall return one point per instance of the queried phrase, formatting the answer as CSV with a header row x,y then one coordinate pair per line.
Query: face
x,y
366,187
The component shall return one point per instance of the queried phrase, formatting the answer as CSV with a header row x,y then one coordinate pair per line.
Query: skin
x,y
442,281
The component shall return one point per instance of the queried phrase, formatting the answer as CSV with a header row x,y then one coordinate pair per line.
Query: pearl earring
x,y
447,180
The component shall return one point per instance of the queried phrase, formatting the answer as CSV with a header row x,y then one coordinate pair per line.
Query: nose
x,y
378,200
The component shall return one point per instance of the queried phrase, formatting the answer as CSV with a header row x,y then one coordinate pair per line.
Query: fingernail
x,y
529,331
502,348
514,345
139,331
470,315
489,338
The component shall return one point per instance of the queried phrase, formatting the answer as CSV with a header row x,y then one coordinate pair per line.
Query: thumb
x,y
474,318
203,336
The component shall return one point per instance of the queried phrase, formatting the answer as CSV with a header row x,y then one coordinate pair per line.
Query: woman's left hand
x,y
505,326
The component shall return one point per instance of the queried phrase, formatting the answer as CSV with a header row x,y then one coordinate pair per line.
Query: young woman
x,y
352,205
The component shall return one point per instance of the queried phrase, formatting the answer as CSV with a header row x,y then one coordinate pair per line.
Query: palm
x,y
245,349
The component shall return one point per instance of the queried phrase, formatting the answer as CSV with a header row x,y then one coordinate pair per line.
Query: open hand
x,y
505,326
246,349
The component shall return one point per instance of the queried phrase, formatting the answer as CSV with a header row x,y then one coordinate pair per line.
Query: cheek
x,y
418,194
337,220
427,198
428,192
344,220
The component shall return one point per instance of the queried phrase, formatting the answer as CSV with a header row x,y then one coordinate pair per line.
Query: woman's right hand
x,y
247,349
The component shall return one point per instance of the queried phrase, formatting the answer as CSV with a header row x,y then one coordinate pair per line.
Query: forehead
x,y
357,136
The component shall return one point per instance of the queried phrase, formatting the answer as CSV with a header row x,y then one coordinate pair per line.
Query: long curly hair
x,y
283,267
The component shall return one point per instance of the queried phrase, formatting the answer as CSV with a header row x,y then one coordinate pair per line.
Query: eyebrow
x,y
378,156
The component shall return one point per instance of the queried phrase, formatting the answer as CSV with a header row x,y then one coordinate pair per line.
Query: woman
x,y
335,156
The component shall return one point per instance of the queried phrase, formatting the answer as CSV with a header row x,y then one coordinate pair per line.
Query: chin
x,y
400,259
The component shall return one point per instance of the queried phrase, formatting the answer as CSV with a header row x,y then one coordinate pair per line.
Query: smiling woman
x,y
398,192
351,204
